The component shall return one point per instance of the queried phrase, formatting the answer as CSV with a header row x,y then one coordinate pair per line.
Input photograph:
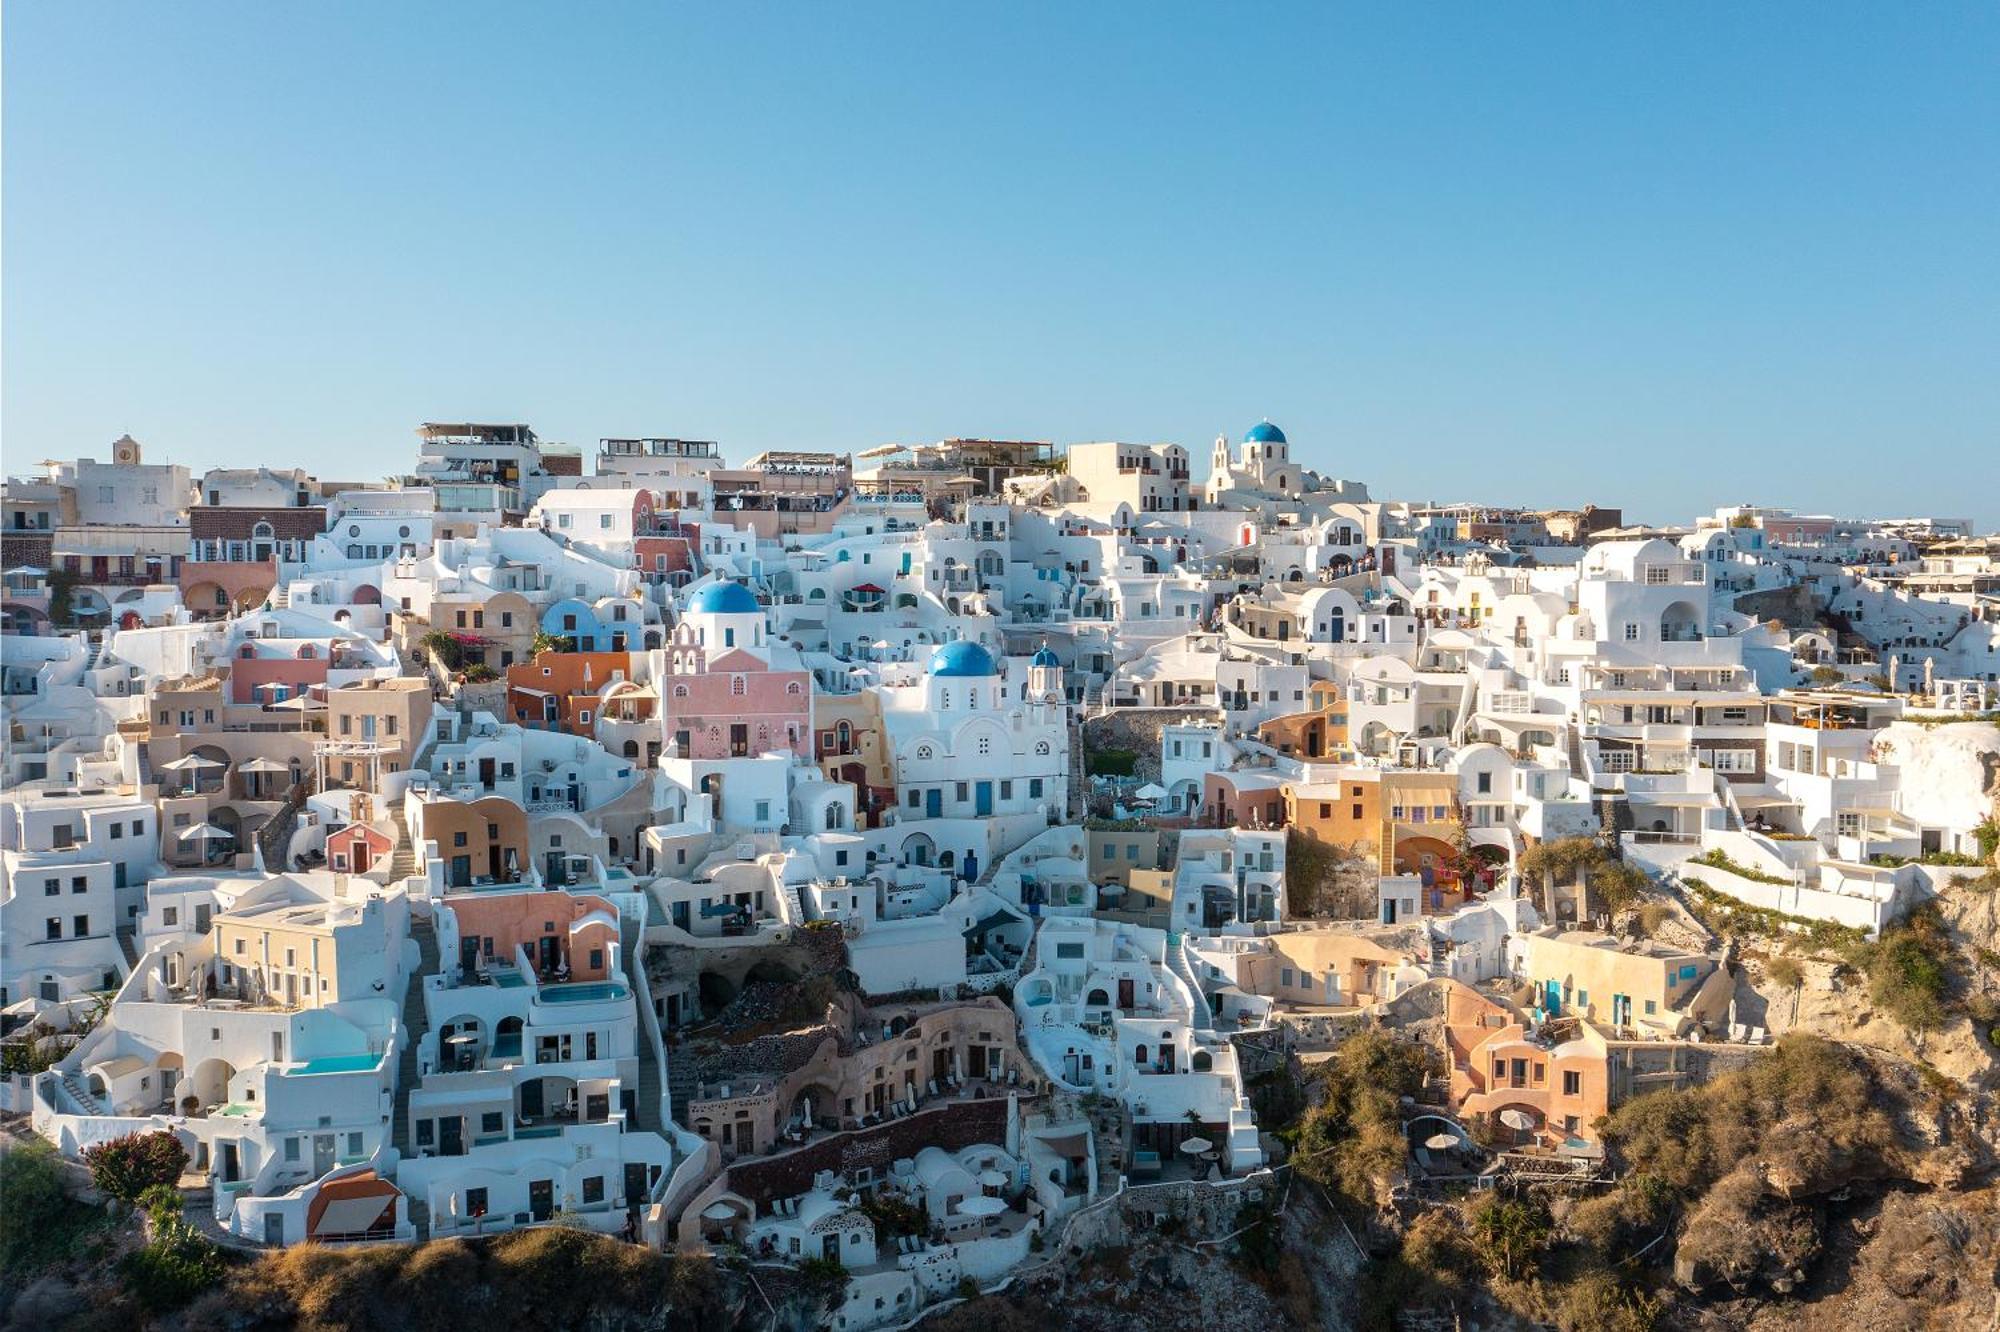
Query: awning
x,y
1672,799
538,693
189,762
201,830
1068,1144
1763,802
261,764
353,1216
990,921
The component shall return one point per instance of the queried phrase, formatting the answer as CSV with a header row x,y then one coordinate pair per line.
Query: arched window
x,y
843,735
792,688
923,751
1139,1055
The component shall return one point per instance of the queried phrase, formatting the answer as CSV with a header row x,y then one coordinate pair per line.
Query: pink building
x,y
273,672
735,707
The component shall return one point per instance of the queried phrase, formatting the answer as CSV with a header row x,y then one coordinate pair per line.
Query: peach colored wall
x,y
514,919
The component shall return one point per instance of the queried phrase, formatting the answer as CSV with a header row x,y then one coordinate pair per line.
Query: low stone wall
x,y
770,1056
1205,1210
954,1126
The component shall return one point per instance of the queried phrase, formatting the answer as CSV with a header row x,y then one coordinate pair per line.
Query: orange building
x,y
480,840
1562,1086
1406,819
1319,732
558,930
560,691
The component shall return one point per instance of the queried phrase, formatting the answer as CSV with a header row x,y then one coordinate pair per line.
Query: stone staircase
x,y
632,936
81,1095
128,936
93,652
403,862
407,1075
1178,961
1079,789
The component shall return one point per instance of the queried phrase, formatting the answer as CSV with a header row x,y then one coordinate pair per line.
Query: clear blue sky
x,y
1666,256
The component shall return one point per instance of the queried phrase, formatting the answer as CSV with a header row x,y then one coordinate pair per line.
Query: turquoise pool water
x,y
337,1064
582,992
509,980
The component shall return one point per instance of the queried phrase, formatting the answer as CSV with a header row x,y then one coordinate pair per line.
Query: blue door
x,y
1553,1001
934,804
982,796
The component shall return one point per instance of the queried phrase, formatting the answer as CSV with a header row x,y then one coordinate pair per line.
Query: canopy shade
x,y
262,764
201,830
1440,1142
354,1216
189,762
982,1205
1196,1146
1518,1120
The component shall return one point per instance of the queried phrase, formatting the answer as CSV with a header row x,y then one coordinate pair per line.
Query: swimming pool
x,y
354,1063
583,992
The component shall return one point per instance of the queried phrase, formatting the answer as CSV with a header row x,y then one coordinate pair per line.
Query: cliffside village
x,y
890,858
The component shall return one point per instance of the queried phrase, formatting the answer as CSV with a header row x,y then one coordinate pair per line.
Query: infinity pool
x,y
582,992
355,1063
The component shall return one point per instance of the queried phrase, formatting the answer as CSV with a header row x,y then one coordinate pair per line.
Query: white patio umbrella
x,y
1196,1146
1441,1142
204,831
993,1179
982,1205
1519,1120
189,762
1151,791
262,764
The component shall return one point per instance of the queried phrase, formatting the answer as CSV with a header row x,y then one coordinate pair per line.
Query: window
x,y
492,1122
53,928
52,887
1572,1083
291,1149
117,831
475,1202
170,916
593,1187
82,924
1631,633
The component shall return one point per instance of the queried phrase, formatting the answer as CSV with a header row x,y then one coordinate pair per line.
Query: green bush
x,y
1911,969
178,1264
1718,859
125,1168
1352,1141
40,1222
1111,762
